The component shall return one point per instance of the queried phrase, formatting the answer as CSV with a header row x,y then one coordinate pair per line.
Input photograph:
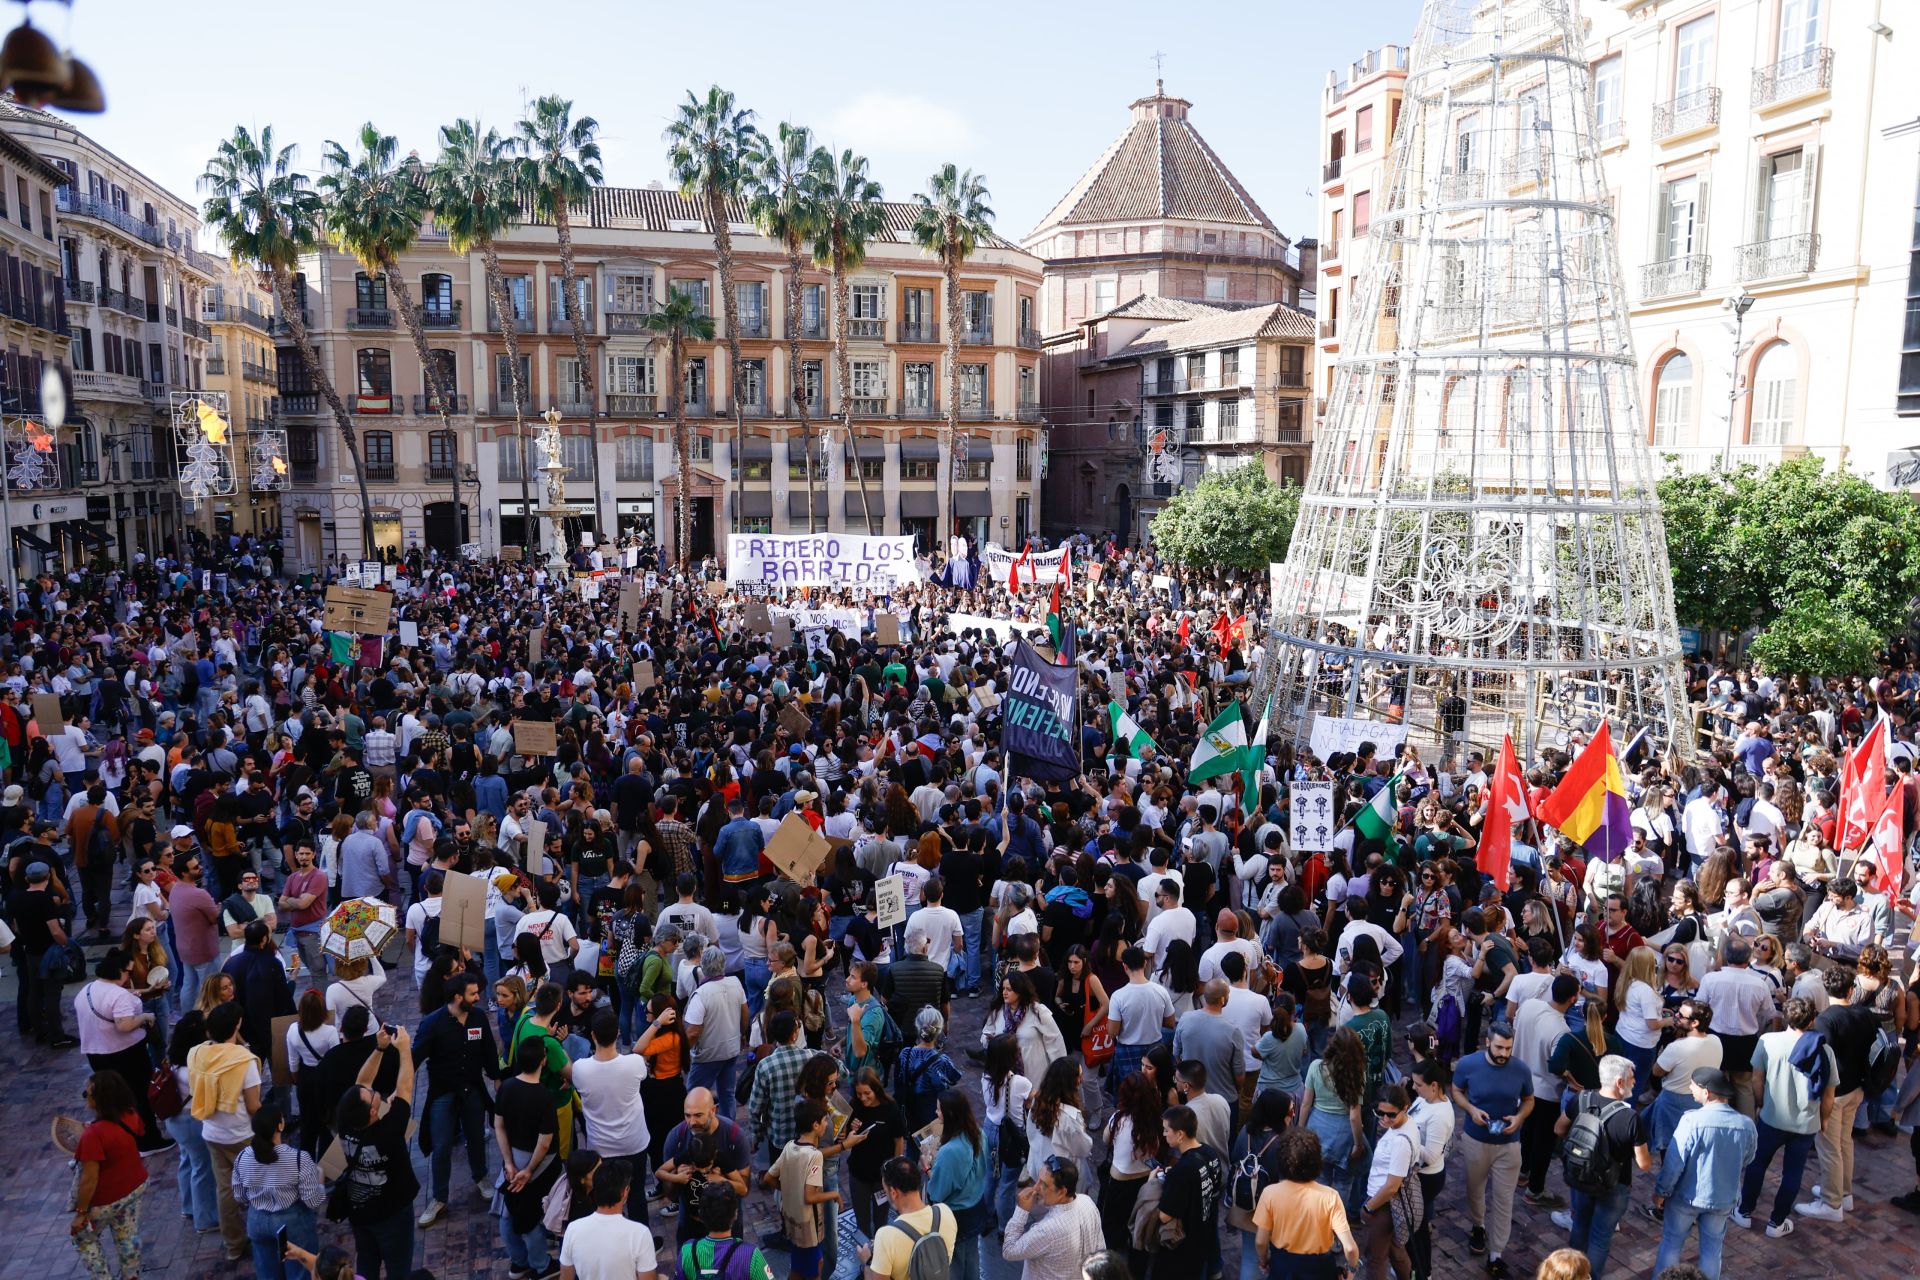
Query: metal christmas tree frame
x,y
1479,549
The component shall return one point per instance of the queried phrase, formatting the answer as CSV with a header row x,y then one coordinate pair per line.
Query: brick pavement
x,y
1876,1241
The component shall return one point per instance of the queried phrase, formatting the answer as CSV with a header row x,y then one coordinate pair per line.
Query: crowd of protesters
x,y
1200,1049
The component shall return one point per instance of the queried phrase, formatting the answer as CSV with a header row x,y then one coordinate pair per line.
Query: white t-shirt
x,y
1529,986
417,921
1012,1099
610,1101
143,895
1253,1015
939,924
344,993
1684,1056
554,930
1643,1002
607,1246
1394,1154
1176,924
1141,1009
322,1038
233,1126
1211,957
691,917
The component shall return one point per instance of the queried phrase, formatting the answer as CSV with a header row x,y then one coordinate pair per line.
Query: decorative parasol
x,y
358,929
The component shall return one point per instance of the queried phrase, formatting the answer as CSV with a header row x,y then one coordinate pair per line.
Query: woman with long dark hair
x,y
1260,1138
198,1197
1055,1123
1134,1141
664,1091
959,1179
1005,1092
275,1200
1336,1087
112,1179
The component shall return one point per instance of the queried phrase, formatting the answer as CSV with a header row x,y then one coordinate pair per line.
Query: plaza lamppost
x,y
1739,306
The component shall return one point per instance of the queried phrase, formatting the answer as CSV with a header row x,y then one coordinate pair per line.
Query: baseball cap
x,y
13,795
1714,1081
181,832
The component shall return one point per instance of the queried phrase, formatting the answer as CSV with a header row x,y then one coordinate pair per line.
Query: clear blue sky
x,y
1027,93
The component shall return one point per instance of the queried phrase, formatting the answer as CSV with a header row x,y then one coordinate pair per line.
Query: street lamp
x,y
1739,306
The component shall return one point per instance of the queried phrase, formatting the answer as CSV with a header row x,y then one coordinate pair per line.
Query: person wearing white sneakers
x,y
1796,1072
1851,1030
1699,1183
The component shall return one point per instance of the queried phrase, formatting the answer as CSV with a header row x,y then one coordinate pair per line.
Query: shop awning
x,y
757,503
919,449
918,506
876,505
868,448
797,504
87,533
32,541
972,502
757,449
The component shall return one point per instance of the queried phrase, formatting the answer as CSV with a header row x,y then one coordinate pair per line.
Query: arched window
x,y
1776,396
436,299
1672,399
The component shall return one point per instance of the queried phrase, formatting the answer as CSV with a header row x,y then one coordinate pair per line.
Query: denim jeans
x,y
717,1076
490,955
263,1226
313,961
387,1240
449,1116
526,1250
1793,1167
197,1195
1679,1224
758,974
970,923
1595,1219
191,976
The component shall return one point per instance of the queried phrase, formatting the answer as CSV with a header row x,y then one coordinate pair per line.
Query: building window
x,y
1786,196
701,448
753,524
866,302
1776,396
557,301
630,375
1799,30
1363,130
375,387
1682,217
1229,419
577,453
1103,295
1293,366
369,292
1607,86
694,289
633,458
1026,314
1029,392
1216,288
570,387
1362,212
813,382
447,366
869,379
973,387
519,291
442,453
1908,402
919,468
978,466
1466,152
632,294
1229,368
755,468
436,297
813,310
693,388
753,383
874,470
1023,460
750,301
1693,57
1672,399
376,448
976,314
916,313
503,381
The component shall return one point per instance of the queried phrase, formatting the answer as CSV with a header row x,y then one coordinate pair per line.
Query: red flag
x,y
1013,574
1186,628
1889,837
1506,809
1064,582
1862,783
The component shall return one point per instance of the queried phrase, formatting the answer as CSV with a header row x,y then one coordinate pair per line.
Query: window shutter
x,y
1700,218
1810,188
1662,214
1762,228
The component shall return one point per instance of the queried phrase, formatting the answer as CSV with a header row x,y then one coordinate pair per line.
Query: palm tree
x,y
560,167
372,208
781,201
850,215
475,201
952,221
267,218
680,318
707,148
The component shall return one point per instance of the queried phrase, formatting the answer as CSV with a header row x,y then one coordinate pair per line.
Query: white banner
x,y
847,622
1041,569
1310,810
819,560
1001,629
1334,733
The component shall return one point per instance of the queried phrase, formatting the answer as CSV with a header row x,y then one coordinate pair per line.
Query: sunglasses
x,y
146,871
1386,1113
1676,959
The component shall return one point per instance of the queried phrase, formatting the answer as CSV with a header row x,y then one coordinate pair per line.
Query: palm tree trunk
x,y
730,309
843,370
797,377
682,450
951,263
290,308
497,290
571,303
436,387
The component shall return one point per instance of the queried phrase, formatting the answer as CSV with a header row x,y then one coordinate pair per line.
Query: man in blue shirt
x,y
1700,1177
1495,1096
737,847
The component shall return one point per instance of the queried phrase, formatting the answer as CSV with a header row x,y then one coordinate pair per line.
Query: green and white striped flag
x,y
1127,733
1223,745
1376,820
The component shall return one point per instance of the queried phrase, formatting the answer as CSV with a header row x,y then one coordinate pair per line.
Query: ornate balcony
x,y
1688,113
369,317
1801,75
867,328
631,322
1684,274
925,331
1029,338
1782,256
920,409
440,317
624,404
426,403
982,336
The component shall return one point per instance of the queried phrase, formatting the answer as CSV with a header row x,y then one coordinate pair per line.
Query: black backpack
x,y
1588,1163
1250,1176
1883,1062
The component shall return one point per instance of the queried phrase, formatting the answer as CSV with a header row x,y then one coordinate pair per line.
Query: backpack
x,y
722,1268
100,852
429,934
891,1044
1883,1062
1249,1178
631,962
1587,1162
1317,1008
930,1259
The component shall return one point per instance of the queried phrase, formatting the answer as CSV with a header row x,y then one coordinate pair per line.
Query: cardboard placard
x,y
886,628
759,619
536,846
358,611
510,553
333,1161
535,737
782,633
281,1069
463,912
797,849
890,900
795,720
631,557
642,676
817,643
536,643
630,596
409,632
46,714
717,589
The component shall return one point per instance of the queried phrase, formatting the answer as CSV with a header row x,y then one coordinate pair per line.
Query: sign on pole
x,y
890,899
1312,818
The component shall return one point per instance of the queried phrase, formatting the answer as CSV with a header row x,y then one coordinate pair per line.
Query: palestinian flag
x,y
1127,733
1056,621
1376,820
1222,747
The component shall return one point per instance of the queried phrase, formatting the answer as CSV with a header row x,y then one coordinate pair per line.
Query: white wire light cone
x,y
1480,521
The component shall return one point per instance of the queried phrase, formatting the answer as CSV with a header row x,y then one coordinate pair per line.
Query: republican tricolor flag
x,y
1590,807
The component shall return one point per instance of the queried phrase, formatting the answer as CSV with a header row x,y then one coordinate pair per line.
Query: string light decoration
x,y
32,460
205,442
267,458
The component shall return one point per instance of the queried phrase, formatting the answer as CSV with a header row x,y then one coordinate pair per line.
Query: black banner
x,y
1037,717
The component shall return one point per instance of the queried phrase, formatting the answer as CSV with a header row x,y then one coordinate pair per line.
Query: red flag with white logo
x,y
1862,784
1506,810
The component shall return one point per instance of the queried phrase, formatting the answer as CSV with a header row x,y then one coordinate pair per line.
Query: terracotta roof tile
x,y
1275,320
1159,168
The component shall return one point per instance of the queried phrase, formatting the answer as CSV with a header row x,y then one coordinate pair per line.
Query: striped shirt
x,y
293,1175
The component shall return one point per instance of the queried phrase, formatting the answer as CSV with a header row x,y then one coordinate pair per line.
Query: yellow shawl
x,y
217,1074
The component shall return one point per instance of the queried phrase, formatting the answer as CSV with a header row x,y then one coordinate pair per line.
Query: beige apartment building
x,y
242,362
631,246
130,281
1762,160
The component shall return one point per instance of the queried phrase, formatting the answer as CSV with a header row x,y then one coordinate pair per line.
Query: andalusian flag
x,y
1256,756
1222,747
1127,733
1376,820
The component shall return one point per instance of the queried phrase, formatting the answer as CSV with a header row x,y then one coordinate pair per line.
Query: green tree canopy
x,y
1825,562
1236,518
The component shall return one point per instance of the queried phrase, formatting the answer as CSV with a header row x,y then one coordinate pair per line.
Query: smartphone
x,y
391,1029
280,1237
